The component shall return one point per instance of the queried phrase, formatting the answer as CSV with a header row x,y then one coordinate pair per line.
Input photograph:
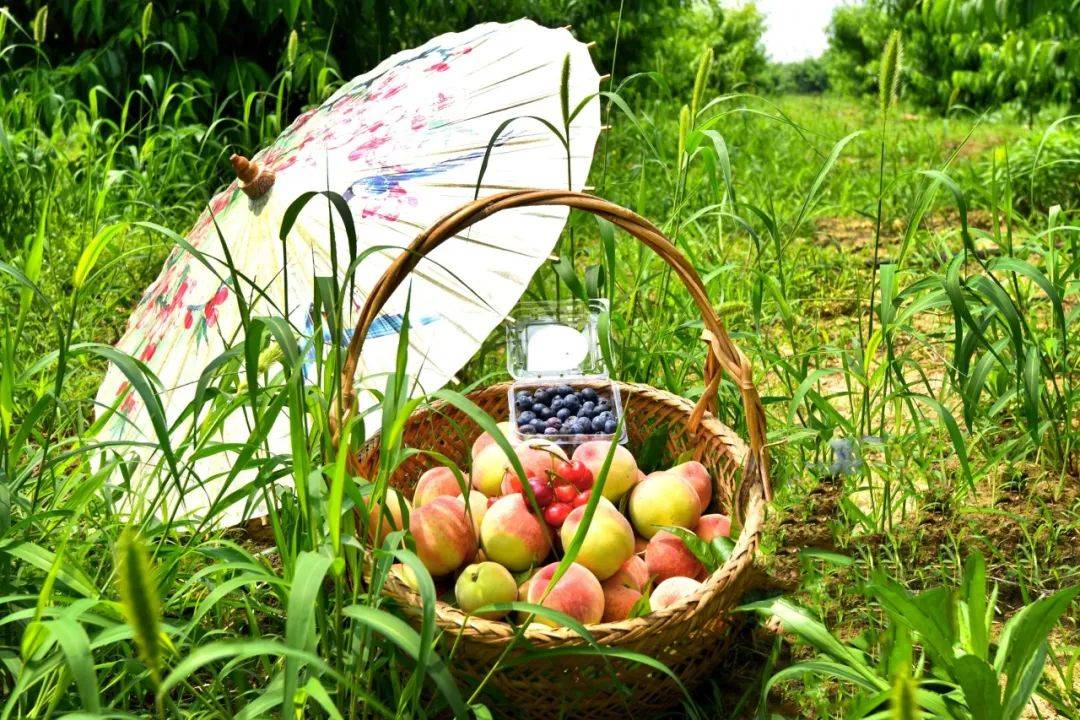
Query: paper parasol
x,y
403,145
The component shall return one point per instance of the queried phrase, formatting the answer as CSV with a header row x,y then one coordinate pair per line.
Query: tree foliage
x,y
979,53
236,47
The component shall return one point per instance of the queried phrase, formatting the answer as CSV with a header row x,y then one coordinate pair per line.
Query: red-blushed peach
x,y
512,536
577,594
640,544
478,505
695,473
444,537
672,591
667,556
622,474
540,459
483,584
633,573
712,526
663,500
386,518
436,482
609,539
619,600
485,439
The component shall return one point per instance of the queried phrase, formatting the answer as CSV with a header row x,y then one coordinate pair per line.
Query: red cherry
x,y
511,484
542,491
583,477
556,513
577,474
566,493
582,498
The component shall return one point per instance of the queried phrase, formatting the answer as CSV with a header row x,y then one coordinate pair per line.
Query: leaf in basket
x,y
651,455
712,555
641,607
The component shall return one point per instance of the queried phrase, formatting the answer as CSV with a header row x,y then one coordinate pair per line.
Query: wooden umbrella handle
x,y
723,355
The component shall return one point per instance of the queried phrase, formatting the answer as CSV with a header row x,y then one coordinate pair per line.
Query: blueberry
x,y
603,406
539,425
609,427
587,408
597,425
523,403
526,417
566,428
571,401
557,404
554,422
551,431
562,413
542,396
526,430
588,394
564,390
582,426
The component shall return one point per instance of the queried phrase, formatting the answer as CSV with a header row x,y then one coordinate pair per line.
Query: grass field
x,y
906,289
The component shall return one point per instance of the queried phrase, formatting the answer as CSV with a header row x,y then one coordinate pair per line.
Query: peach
x,y
388,517
695,473
485,439
609,539
484,584
540,458
478,505
667,556
712,526
619,600
436,482
512,536
640,544
488,468
492,466
445,539
664,499
577,593
622,474
633,573
672,591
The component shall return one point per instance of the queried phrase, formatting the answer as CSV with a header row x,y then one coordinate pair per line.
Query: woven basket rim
x,y
452,619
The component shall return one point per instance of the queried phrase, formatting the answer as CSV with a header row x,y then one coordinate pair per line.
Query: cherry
x,y
542,491
566,493
556,513
582,498
578,474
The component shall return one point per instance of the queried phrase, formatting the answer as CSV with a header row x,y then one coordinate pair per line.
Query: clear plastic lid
x,y
548,340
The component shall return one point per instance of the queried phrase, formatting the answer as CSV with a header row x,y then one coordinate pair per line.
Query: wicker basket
x,y
691,637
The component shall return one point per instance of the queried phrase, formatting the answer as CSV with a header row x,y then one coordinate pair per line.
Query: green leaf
x,y
980,685
407,640
75,644
300,622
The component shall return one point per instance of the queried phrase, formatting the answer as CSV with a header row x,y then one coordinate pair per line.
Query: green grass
x,y
961,401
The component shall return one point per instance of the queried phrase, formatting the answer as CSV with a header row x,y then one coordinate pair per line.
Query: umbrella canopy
x,y
403,145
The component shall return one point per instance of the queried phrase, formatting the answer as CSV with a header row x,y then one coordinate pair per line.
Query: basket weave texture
x,y
690,637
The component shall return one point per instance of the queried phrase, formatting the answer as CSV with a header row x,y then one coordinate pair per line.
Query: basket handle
x,y
723,356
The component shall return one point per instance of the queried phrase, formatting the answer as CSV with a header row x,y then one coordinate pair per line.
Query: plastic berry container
x,y
553,353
